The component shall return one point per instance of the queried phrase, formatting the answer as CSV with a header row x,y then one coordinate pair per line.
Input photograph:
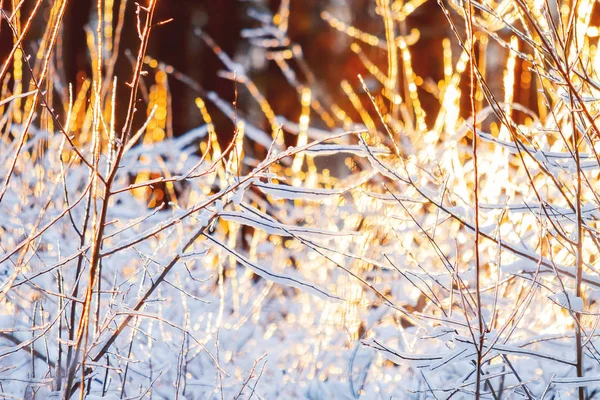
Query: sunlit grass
x,y
140,261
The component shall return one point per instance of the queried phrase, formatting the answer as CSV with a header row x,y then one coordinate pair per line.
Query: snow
x,y
363,283
569,301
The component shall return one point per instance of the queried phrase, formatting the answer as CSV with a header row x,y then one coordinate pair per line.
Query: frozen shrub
x,y
452,251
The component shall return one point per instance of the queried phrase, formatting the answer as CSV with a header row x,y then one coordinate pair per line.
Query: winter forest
x,y
299,199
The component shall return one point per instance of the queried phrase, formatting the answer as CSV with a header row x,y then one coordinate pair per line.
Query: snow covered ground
x,y
156,266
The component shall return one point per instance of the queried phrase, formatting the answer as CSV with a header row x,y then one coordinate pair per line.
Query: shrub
x,y
430,262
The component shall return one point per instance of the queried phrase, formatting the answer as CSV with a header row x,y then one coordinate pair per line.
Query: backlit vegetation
x,y
452,251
